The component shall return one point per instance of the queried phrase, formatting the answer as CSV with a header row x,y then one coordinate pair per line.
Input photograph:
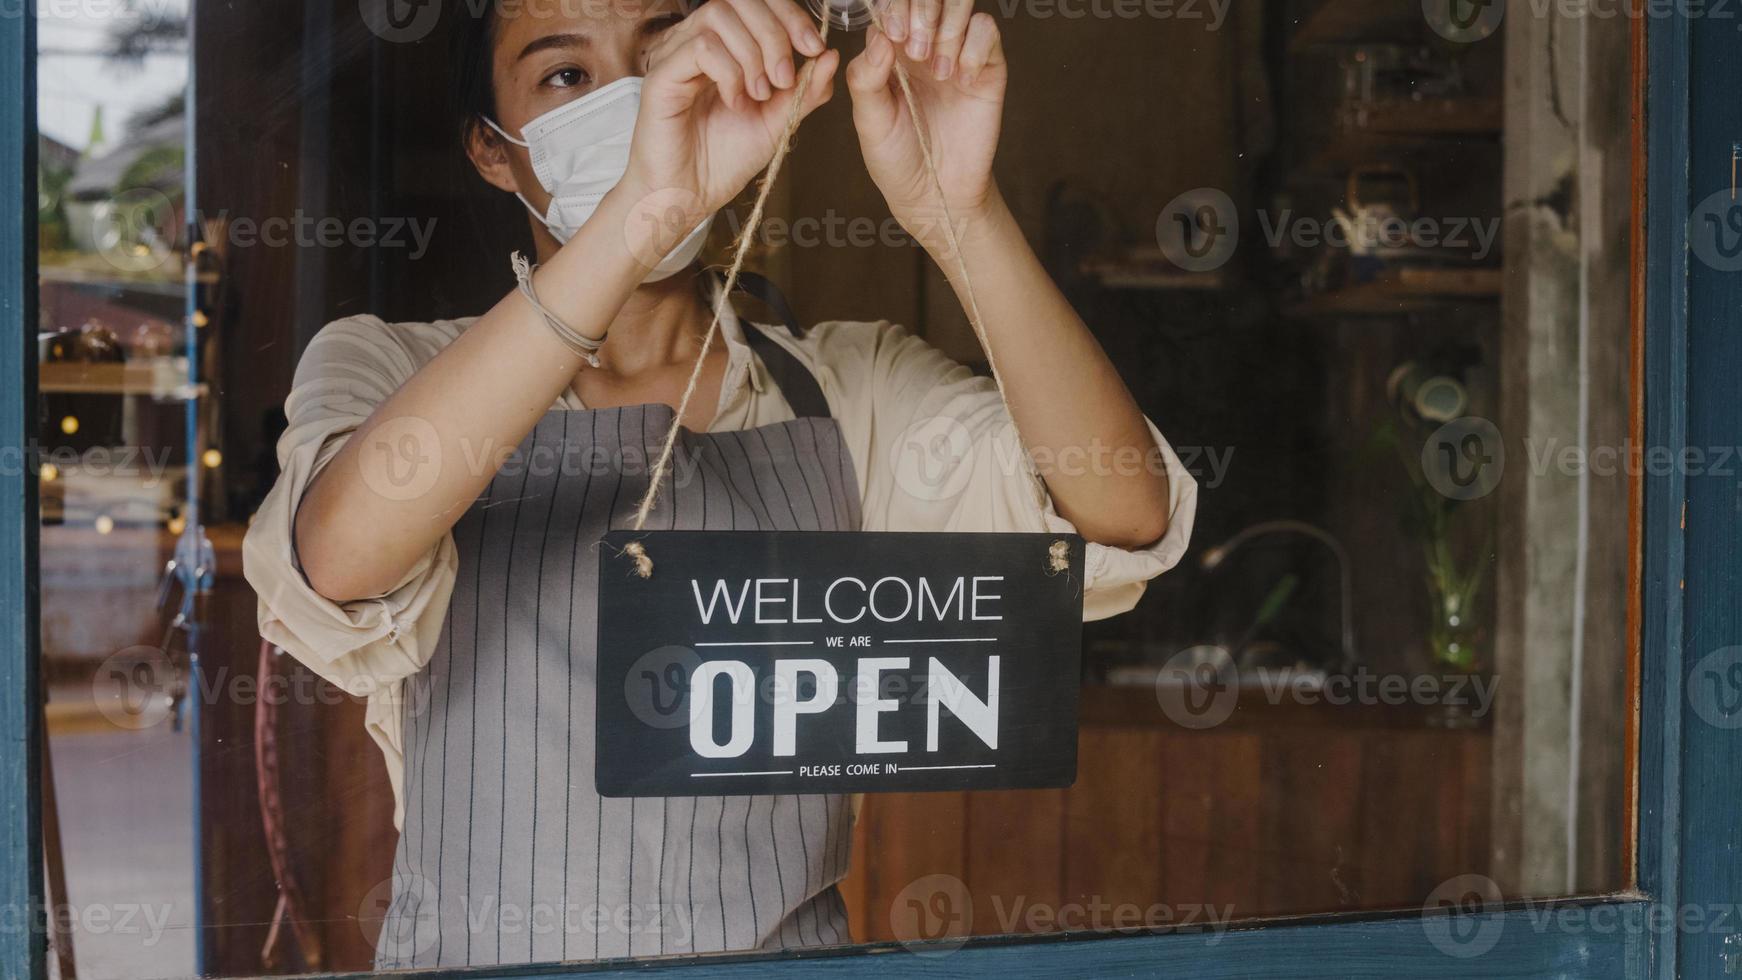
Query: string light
x,y
70,425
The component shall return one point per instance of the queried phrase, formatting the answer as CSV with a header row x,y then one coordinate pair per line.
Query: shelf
x,y
1406,290
1432,117
1344,151
1148,269
163,286
164,379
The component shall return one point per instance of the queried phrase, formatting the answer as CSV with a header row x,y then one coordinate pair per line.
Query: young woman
x,y
416,552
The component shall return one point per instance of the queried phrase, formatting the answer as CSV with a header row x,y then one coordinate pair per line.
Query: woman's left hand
x,y
955,60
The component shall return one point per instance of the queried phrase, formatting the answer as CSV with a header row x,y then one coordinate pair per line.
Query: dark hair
x,y
474,61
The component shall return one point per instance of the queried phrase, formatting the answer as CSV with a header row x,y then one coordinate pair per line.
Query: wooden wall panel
x,y
1020,862
1241,822
1114,852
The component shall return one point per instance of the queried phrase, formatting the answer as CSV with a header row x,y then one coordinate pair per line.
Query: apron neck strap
x,y
796,382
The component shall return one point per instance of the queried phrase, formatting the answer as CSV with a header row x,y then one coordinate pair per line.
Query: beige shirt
x,y
932,445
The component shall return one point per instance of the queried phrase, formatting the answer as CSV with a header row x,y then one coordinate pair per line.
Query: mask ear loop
x,y
504,133
542,219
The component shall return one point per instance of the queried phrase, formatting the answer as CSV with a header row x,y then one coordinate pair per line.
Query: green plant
x,y
1451,580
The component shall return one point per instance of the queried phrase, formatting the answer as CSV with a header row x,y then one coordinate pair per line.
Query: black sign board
x,y
754,662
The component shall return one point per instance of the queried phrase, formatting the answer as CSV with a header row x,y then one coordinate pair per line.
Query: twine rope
x,y
644,567
1057,557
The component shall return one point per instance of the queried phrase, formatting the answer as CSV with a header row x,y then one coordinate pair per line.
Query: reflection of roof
x,y
53,151
99,177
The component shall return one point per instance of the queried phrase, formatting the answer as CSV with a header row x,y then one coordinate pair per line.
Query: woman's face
x,y
549,52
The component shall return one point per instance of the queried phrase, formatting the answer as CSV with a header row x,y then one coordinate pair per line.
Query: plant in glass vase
x,y
1453,572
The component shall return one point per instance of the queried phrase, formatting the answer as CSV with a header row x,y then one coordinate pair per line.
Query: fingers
x,y
688,67
952,32
745,46
892,17
922,28
748,51
874,107
983,48
822,84
800,27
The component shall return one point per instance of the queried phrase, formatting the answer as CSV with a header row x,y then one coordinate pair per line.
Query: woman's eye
x,y
566,78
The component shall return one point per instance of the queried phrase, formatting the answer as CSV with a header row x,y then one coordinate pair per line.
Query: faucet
x,y
1215,556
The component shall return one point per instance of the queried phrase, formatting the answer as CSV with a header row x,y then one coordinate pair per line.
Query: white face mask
x,y
580,151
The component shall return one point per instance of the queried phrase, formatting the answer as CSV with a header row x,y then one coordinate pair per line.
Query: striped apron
x,y
507,855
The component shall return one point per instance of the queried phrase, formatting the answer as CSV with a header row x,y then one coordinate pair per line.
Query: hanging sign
x,y
757,662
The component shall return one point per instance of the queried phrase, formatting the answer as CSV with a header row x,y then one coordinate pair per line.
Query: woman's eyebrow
x,y
550,41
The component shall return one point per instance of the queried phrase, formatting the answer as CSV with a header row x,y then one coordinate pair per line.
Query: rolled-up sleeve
x,y
369,646
937,451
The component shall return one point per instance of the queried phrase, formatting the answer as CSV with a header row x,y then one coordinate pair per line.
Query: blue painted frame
x,y
23,940
1690,825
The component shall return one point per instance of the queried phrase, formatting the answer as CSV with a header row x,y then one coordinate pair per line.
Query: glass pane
x,y
121,430
1365,266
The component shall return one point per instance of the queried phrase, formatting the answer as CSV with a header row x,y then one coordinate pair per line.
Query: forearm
x,y
1089,438
407,475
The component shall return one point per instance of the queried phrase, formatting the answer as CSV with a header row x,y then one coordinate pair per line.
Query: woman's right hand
x,y
718,90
